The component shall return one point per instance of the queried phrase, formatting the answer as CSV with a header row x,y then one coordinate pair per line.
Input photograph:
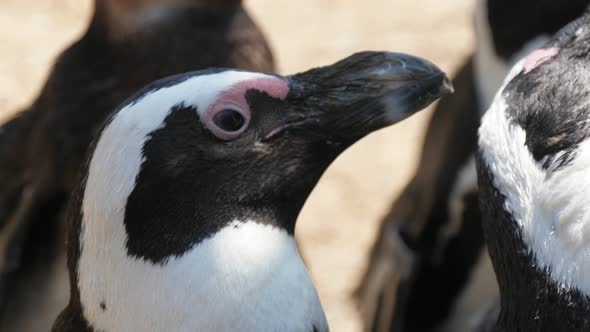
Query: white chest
x,y
248,277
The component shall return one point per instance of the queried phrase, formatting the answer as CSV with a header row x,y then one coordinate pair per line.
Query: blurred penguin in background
x,y
429,269
127,44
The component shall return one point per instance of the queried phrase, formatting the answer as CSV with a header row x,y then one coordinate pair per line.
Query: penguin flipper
x,y
419,217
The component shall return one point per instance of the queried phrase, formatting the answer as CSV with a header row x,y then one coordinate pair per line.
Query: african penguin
x,y
429,269
185,216
128,44
533,162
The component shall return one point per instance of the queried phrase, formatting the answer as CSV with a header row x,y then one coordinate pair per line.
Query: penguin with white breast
x,y
533,163
185,216
128,44
430,258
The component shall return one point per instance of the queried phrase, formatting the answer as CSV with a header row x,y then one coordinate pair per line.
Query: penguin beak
x,y
362,93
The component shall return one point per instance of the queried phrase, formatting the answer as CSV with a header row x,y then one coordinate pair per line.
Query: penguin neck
x,y
531,297
246,274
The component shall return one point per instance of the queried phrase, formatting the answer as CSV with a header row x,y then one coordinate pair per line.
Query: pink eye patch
x,y
274,86
537,57
229,115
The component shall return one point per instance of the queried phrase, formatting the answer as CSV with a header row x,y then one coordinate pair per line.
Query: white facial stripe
x,y
199,91
550,209
490,69
248,276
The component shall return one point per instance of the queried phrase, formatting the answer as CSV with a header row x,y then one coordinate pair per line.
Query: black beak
x,y
362,93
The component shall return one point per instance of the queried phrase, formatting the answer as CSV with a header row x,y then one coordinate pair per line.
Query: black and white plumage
x,y
429,269
185,218
533,162
128,44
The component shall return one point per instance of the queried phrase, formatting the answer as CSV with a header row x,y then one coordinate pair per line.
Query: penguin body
x,y
533,160
185,214
43,148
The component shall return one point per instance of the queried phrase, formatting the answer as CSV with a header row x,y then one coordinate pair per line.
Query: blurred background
x,y
338,224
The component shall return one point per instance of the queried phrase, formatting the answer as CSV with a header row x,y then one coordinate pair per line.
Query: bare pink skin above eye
x,y
235,98
273,86
537,57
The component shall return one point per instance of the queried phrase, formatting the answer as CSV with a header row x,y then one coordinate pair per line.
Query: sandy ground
x,y
338,223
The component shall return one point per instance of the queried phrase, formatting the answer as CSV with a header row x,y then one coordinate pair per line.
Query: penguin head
x,y
192,153
534,146
548,97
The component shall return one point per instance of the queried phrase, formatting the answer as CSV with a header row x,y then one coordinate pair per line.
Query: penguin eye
x,y
227,122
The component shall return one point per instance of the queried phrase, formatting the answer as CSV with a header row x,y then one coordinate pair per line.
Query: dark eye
x,y
229,120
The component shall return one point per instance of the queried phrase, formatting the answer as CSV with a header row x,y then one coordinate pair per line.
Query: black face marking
x,y
513,23
552,104
103,305
531,299
167,211
191,184
270,112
